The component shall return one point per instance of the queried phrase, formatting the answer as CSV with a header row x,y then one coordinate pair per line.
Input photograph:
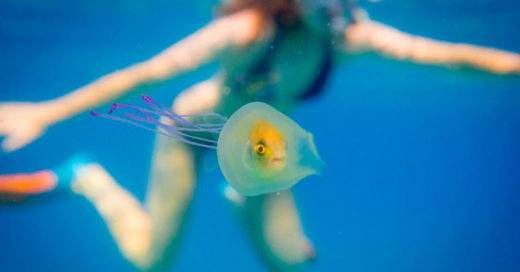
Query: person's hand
x,y
21,123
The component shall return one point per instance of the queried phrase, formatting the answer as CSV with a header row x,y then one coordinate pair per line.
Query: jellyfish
x,y
259,149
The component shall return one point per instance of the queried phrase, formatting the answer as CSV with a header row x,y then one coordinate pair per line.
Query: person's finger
x,y
7,144
17,141
4,128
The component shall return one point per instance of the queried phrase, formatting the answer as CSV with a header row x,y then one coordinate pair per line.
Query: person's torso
x,y
288,65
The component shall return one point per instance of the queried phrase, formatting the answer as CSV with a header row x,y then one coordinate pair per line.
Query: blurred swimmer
x,y
259,149
260,44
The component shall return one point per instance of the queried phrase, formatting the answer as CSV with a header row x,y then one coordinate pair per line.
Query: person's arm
x,y
372,36
21,123
188,54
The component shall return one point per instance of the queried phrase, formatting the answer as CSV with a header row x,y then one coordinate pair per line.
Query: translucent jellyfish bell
x,y
259,149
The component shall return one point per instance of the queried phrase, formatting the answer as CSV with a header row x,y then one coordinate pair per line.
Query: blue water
x,y
423,163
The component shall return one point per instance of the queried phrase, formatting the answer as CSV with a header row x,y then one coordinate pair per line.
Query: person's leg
x,y
126,220
172,179
274,225
143,233
147,235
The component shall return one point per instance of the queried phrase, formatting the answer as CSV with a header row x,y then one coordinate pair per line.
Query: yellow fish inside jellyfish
x,y
259,149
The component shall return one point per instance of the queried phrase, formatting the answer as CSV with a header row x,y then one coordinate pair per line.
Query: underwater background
x,y
423,163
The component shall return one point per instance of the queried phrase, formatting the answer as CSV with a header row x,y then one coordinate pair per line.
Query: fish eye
x,y
260,149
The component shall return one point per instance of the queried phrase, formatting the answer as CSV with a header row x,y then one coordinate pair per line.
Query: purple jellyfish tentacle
x,y
165,111
212,125
175,130
206,114
169,127
170,115
115,118
181,128
145,112
156,122
172,135
137,118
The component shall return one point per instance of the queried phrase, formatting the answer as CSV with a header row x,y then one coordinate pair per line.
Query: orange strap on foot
x,y
25,184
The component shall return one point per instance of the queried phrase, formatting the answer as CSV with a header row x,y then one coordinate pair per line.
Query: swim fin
x,y
28,183
16,186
